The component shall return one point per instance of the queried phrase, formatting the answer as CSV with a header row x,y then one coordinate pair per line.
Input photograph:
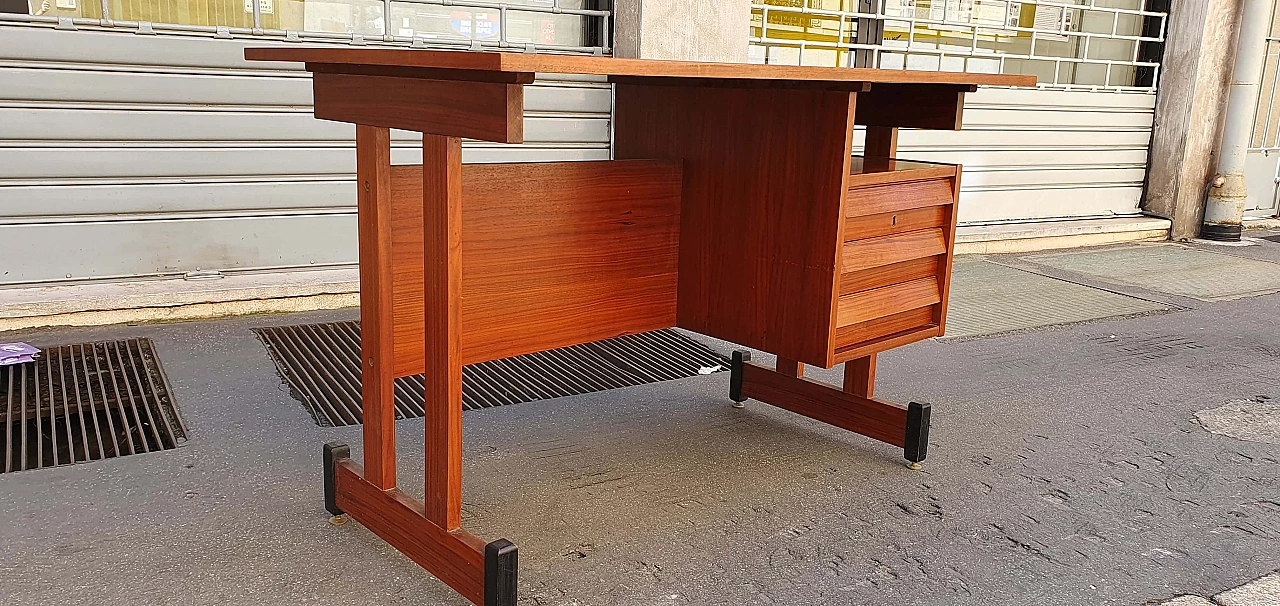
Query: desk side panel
x,y
764,173
553,254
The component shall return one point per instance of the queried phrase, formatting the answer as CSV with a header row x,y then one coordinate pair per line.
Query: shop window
x,y
366,17
1095,43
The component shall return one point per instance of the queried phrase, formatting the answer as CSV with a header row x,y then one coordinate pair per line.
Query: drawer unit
x,y
863,271
894,261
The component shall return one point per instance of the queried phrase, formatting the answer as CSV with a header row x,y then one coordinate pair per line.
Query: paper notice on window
x,y
1053,18
265,7
996,13
949,11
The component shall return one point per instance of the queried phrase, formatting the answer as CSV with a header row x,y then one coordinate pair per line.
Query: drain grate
x,y
85,402
321,365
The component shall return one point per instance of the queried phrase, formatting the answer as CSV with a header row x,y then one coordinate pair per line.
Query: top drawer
x,y
893,197
881,185
886,197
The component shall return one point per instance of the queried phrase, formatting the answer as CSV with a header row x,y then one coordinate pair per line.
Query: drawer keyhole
x,y
895,220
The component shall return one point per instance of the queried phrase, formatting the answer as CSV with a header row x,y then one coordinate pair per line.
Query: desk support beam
x,y
903,426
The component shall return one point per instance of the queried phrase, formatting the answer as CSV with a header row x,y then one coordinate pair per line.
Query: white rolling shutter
x,y
1037,155
128,156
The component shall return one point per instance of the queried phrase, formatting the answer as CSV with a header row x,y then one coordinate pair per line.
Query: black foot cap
x,y
917,443
500,564
735,374
333,452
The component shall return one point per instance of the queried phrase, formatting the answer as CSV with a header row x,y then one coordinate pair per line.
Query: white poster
x,y
266,7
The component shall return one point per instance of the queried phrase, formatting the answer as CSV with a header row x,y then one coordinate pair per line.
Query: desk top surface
x,y
611,66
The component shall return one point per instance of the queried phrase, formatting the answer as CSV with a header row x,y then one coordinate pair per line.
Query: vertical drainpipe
x,y
1224,209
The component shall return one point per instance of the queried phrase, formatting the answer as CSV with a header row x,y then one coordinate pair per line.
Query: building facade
x,y
135,142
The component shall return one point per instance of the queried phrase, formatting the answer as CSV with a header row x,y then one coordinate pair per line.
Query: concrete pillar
x,y
687,30
1190,110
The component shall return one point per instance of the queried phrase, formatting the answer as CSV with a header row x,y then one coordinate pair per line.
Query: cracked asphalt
x,y
1065,466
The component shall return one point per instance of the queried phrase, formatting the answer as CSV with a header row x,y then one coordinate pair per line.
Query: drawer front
x,y
887,250
876,303
891,288
894,197
885,275
853,334
896,222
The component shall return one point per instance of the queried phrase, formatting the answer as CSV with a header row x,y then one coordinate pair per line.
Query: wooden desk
x,y
733,208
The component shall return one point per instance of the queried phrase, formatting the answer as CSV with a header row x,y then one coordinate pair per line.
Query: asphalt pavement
x,y
1072,464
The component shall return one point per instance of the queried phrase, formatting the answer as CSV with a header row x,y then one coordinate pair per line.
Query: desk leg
x,y
882,142
860,376
442,292
430,532
851,408
373,179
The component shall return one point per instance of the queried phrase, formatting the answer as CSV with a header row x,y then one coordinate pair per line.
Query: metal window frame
x,y
865,47
1267,139
598,38
1265,136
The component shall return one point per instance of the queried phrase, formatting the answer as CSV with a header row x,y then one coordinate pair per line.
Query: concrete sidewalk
x,y
1066,466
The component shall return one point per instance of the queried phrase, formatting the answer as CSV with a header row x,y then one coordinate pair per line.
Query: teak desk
x,y
733,208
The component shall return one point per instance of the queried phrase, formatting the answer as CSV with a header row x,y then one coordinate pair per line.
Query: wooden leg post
x,y
860,376
373,180
430,532
882,142
791,368
442,234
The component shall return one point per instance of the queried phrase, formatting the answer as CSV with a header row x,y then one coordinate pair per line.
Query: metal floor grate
x,y
85,402
321,365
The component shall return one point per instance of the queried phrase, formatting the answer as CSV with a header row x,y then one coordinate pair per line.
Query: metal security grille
x,y
1080,44
85,402
321,365
564,26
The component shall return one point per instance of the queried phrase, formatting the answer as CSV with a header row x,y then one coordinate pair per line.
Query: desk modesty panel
x,y
733,207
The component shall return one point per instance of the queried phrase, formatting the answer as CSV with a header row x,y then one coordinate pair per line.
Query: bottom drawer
x,y
887,300
863,332
876,319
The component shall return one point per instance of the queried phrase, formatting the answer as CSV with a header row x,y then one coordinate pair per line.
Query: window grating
x,y
1081,44
85,402
321,365
559,26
